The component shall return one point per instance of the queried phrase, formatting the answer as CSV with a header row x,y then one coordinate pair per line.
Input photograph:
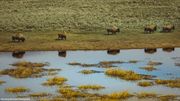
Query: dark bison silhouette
x,y
18,54
168,28
113,52
150,28
18,38
113,30
62,53
168,49
150,50
61,36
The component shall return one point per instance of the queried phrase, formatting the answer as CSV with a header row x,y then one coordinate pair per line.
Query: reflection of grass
x,y
146,95
148,68
154,63
169,83
120,95
41,94
127,75
16,89
55,81
93,87
145,84
1,82
28,64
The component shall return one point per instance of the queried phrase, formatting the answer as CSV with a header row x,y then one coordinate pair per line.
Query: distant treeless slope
x,y
86,15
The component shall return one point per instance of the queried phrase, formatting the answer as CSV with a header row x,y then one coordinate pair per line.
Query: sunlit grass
x,y
119,95
92,87
169,83
146,95
88,71
123,74
55,81
167,97
16,89
39,94
29,64
145,83
69,92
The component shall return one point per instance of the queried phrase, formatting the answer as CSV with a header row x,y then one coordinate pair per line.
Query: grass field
x,y
86,20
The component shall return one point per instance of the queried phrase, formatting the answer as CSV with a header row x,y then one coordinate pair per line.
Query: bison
x,y
61,37
150,28
168,28
168,49
150,50
18,37
113,30
62,53
18,54
113,52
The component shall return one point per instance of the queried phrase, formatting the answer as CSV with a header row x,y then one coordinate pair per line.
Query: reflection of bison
x,y
150,28
61,37
150,50
18,37
113,30
168,28
113,52
18,54
168,49
62,53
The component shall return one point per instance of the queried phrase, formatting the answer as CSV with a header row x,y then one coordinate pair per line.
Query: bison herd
x,y
110,31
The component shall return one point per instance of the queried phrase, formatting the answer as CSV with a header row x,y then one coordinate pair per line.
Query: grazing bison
x,y
150,28
61,37
18,54
150,50
168,49
18,37
113,30
168,28
113,52
62,53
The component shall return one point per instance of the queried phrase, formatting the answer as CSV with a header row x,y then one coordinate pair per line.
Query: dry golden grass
x,y
92,87
55,81
1,82
69,93
149,68
123,74
146,95
88,71
39,94
167,97
169,83
119,95
29,64
108,64
145,83
16,89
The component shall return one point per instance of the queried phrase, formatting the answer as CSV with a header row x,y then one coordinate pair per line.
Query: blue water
x,y
93,57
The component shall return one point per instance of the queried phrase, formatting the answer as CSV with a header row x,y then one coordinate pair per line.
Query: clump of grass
x,y
92,87
88,71
69,92
169,83
29,64
167,97
55,81
123,74
133,61
154,63
145,84
82,65
119,95
108,64
1,82
16,89
148,68
41,94
74,63
146,95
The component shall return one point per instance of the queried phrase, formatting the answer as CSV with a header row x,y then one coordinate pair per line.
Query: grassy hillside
x,y
85,15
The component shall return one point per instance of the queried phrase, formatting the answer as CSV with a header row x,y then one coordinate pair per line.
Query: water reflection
x,y
62,53
150,50
18,54
168,49
113,52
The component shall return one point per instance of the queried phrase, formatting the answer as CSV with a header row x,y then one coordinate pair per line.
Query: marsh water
x,y
168,70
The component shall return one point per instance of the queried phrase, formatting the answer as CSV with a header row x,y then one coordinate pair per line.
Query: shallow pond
x,y
168,70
